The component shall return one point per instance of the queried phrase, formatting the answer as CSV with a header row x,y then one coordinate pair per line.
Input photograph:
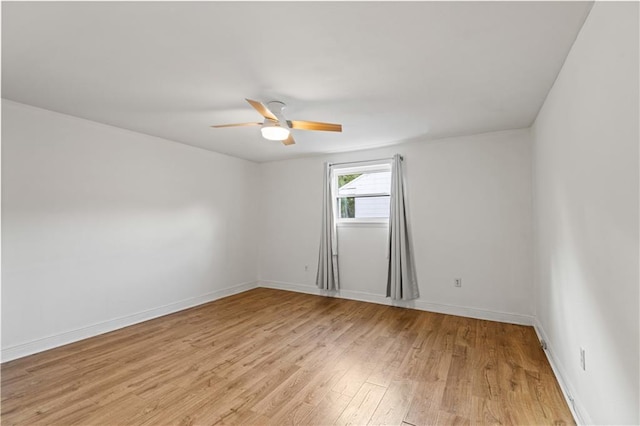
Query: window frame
x,y
348,169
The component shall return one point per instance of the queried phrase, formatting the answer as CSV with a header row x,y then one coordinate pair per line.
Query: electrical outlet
x,y
582,361
458,282
543,344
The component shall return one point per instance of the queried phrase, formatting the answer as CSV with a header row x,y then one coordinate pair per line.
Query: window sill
x,y
364,224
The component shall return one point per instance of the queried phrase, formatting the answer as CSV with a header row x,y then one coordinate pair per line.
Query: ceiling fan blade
x,y
263,110
237,125
289,140
314,125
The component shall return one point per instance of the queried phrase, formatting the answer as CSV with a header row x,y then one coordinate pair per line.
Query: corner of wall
x,y
580,414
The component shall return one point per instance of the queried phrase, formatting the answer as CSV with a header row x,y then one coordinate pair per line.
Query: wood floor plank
x,y
486,412
328,410
362,406
450,419
394,404
457,392
272,357
425,403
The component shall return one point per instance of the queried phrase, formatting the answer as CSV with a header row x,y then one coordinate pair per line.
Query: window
x,y
362,193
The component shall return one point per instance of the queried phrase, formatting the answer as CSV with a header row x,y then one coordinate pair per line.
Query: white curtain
x,y
327,277
401,277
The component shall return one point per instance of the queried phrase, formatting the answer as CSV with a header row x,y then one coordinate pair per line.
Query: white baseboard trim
x,y
580,414
43,344
413,304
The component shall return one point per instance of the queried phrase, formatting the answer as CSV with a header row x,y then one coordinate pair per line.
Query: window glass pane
x,y
363,207
345,179
363,192
372,207
364,183
347,207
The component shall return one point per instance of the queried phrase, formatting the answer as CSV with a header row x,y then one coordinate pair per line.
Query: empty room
x,y
316,213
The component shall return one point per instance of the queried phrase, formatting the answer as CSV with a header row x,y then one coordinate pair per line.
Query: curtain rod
x,y
363,161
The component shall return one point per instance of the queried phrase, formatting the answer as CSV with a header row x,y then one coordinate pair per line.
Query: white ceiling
x,y
389,72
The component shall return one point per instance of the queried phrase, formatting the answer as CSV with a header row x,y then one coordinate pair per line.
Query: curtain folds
x,y
401,277
327,277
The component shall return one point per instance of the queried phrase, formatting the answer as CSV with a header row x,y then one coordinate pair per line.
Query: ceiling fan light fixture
x,y
275,132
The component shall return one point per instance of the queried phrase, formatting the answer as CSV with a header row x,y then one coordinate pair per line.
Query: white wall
x,y
103,227
470,206
586,209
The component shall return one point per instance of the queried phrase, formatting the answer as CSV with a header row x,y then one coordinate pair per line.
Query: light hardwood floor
x,y
276,357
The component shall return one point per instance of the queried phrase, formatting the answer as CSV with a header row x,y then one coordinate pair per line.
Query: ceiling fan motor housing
x,y
277,108
275,130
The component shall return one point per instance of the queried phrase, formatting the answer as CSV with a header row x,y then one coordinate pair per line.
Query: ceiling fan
x,y
276,128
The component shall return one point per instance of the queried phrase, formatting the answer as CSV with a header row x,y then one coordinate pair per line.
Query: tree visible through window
x,y
347,205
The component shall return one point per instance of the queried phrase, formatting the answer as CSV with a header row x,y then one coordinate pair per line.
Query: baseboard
x,y
61,339
580,414
414,304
